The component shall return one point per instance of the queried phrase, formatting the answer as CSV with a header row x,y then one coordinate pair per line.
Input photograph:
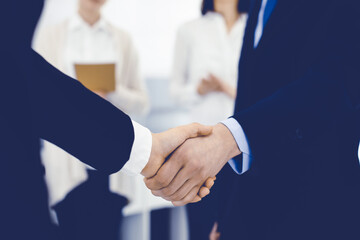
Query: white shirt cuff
x,y
140,152
242,165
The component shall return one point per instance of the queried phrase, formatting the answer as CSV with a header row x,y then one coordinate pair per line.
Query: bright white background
x,y
152,24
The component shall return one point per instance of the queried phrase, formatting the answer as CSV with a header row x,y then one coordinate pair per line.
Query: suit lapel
x,y
278,19
247,63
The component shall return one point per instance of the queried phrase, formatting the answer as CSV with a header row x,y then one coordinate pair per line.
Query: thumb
x,y
197,130
175,137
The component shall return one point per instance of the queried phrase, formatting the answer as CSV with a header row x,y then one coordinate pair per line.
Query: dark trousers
x,y
160,224
91,211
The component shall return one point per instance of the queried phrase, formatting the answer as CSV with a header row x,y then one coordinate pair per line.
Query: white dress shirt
x,y
204,46
260,25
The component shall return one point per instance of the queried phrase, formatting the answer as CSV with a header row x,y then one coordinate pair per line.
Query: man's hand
x,y
164,144
181,177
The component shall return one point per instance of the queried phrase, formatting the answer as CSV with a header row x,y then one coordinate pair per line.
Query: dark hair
x,y
208,6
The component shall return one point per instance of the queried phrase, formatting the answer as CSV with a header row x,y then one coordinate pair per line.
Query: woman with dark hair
x,y
204,82
209,5
206,57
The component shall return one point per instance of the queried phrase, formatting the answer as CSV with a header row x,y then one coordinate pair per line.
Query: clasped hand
x,y
185,160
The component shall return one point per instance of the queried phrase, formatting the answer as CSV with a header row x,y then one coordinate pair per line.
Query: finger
x,y
177,136
209,183
196,130
164,176
162,179
188,198
196,199
213,77
203,192
181,185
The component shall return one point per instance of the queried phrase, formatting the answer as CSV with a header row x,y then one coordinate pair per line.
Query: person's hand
x,y
214,234
181,177
165,143
208,85
215,84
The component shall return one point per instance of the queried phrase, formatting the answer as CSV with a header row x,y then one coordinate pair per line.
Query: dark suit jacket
x,y
298,92
37,101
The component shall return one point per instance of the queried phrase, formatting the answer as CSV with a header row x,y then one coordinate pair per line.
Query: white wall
x,y
152,23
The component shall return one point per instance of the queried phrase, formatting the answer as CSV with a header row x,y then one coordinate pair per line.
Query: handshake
x,y
184,161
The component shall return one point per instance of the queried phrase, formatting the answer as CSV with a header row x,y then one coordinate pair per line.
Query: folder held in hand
x,y
96,77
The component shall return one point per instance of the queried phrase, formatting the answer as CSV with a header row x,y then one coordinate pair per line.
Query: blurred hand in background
x,y
215,84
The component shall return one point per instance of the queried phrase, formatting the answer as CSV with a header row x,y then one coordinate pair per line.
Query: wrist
x,y
228,142
152,166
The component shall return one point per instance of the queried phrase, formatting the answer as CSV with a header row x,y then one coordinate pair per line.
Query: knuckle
x,y
202,173
171,190
195,126
186,152
162,181
174,197
148,184
195,165
167,199
187,199
155,193
166,191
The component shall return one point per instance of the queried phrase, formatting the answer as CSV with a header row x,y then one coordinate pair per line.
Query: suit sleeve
x,y
68,115
306,108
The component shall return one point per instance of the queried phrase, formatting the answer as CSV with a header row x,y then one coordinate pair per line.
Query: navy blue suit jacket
x,y
298,97
37,101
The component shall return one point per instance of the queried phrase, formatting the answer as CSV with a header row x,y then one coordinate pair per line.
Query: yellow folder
x,y
96,77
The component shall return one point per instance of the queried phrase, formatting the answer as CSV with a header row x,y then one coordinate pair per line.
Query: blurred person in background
x,y
87,38
204,82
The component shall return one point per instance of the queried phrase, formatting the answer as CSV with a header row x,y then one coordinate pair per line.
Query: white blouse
x,y
86,44
203,47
